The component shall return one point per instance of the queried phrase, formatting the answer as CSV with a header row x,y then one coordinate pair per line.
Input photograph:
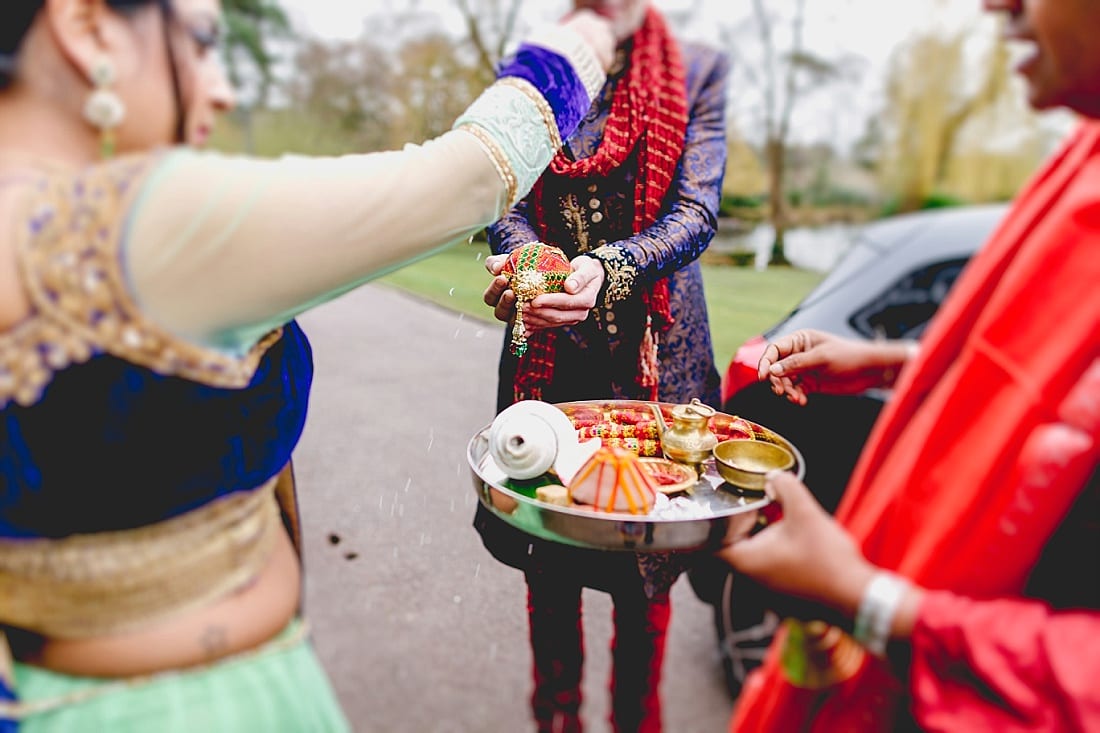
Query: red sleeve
x,y
1004,665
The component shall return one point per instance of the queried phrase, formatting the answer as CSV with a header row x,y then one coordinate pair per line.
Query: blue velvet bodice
x,y
111,445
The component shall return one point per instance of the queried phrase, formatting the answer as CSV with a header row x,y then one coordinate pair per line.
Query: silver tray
x,y
728,514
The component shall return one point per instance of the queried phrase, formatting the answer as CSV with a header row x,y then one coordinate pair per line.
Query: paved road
x,y
420,629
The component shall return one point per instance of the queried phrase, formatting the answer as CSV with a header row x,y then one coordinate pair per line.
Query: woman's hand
x,y
804,554
814,361
597,33
551,310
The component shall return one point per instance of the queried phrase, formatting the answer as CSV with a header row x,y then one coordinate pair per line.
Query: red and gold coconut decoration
x,y
613,480
532,270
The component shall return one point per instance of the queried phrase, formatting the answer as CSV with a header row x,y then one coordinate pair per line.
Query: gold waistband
x,y
114,582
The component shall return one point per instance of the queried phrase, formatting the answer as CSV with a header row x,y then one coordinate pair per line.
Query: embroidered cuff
x,y
550,78
621,272
516,133
576,51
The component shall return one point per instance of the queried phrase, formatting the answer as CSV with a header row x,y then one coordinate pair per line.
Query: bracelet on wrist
x,y
877,608
912,348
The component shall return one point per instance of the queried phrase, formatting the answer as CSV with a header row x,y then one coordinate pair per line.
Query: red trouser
x,y
641,624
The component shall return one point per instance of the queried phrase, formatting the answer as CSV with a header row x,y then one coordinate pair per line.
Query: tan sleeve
x,y
221,249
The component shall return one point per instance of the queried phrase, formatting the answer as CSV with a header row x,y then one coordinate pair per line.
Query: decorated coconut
x,y
532,270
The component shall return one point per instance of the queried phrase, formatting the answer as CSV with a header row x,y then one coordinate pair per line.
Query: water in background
x,y
816,249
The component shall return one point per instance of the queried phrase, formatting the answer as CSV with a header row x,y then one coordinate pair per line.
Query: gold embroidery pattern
x,y
70,264
621,271
112,582
499,159
528,89
575,222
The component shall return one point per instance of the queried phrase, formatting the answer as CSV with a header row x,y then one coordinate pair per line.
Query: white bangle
x,y
877,609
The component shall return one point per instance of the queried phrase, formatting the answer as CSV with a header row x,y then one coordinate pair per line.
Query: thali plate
x,y
711,514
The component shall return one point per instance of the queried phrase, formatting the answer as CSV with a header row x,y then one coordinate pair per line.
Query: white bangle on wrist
x,y
877,609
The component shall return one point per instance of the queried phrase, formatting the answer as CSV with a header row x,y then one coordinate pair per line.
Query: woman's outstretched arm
x,y
219,250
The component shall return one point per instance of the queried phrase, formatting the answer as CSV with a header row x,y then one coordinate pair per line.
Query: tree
x,y
252,26
490,26
934,90
783,74
347,90
434,86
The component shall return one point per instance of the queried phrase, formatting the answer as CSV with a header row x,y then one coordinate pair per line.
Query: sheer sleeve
x,y
1005,665
513,230
219,250
262,241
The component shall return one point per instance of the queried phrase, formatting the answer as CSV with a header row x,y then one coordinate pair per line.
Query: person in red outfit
x,y
966,545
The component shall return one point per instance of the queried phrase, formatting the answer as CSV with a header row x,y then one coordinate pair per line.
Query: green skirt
x,y
279,687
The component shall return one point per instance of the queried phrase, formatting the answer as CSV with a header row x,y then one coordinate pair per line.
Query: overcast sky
x,y
863,30
869,27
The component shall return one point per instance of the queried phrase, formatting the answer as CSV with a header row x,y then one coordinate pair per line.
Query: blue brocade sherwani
x,y
598,359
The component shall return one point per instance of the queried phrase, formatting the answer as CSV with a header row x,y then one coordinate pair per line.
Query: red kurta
x,y
990,437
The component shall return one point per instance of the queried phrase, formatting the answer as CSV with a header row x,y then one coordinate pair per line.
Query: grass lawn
x,y
741,302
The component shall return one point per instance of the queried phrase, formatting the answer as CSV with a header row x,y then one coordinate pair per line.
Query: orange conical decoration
x,y
612,481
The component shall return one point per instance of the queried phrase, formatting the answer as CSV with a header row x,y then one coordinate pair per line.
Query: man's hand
x,y
498,295
551,310
805,554
813,361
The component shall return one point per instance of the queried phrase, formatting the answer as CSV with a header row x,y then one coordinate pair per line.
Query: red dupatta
x,y
649,116
945,492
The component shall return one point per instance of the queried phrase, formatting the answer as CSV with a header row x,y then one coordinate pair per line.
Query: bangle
x,y
877,609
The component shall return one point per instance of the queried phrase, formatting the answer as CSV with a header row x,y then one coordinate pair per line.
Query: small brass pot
x,y
744,463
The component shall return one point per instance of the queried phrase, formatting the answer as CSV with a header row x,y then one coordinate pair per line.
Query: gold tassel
x,y
647,362
519,332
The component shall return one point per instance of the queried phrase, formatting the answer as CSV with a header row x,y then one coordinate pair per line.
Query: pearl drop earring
x,y
104,109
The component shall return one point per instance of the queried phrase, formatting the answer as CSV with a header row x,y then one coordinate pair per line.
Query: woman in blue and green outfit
x,y
153,383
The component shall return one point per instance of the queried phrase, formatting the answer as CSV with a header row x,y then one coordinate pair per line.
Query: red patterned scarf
x,y
648,115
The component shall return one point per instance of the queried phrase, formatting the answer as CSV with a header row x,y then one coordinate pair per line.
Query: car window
x,y
919,255
904,308
870,243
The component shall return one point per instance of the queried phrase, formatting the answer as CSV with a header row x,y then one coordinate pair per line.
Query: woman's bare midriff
x,y
243,620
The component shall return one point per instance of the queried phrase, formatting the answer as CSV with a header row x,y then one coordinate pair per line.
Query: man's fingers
x,y
494,291
746,554
578,281
769,357
552,318
792,364
587,274
784,488
505,305
495,263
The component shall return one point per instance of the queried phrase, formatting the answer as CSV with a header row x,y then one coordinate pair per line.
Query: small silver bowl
x,y
744,463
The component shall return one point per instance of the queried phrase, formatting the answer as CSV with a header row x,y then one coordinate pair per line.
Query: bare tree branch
x,y
797,26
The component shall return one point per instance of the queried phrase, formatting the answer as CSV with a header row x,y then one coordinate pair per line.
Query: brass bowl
x,y
744,463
